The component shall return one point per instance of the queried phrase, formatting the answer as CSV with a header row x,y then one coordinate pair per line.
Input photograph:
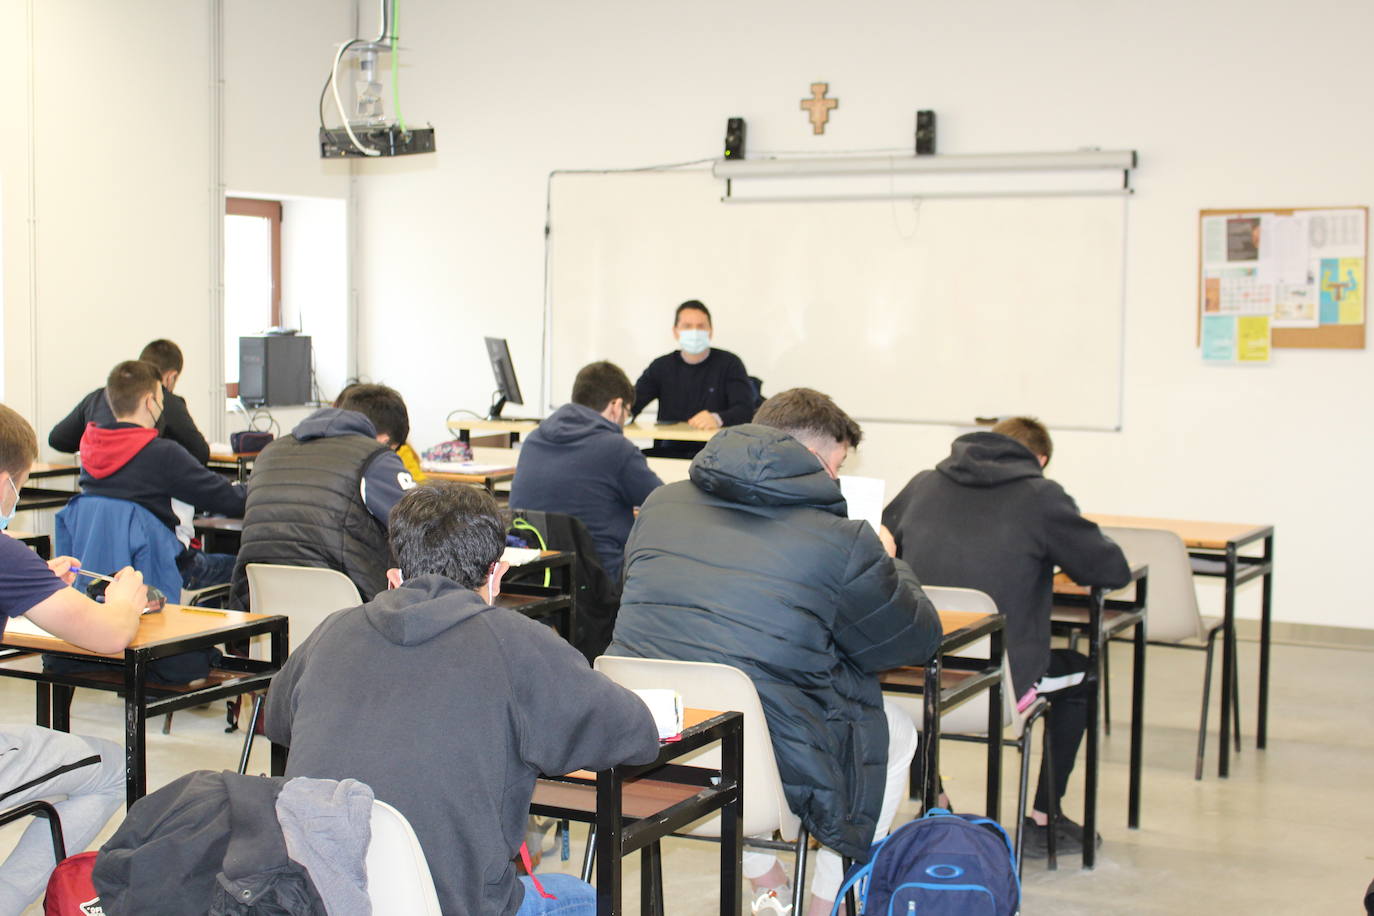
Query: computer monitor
x,y
508,389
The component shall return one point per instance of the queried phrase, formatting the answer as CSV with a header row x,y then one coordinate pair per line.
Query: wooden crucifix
x,y
819,106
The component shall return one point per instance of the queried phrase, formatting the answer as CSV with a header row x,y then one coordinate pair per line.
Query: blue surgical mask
x,y
694,341
6,519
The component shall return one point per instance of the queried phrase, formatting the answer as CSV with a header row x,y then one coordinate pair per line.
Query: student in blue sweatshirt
x,y
578,462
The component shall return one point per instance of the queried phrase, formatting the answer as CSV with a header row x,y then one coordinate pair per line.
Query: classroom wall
x,y
107,180
1229,104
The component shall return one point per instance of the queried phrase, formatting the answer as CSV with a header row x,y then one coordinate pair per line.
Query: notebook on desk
x,y
462,467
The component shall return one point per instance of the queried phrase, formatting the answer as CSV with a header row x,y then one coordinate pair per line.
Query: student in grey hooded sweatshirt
x,y
425,694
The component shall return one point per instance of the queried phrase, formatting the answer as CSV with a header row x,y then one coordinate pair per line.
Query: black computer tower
x,y
274,370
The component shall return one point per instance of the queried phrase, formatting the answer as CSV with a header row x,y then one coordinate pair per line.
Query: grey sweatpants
x,y
84,795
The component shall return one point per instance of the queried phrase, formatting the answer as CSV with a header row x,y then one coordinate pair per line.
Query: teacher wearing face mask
x,y
700,385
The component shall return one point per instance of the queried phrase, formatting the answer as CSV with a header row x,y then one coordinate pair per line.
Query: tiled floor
x,y
1292,830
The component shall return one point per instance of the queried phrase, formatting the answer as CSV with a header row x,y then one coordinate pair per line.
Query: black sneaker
x,y
1035,843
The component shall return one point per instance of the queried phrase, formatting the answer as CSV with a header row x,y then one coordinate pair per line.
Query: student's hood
x,y
106,449
422,608
328,422
988,460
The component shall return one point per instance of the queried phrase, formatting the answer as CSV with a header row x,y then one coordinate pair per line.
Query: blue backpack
x,y
940,865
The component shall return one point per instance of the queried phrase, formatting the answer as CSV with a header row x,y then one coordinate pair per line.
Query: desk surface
x,y
173,622
495,474
678,432
217,523
954,621
1195,534
231,457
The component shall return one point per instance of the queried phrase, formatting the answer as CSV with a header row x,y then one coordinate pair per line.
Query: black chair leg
x,y
45,810
799,873
589,858
252,730
1235,697
851,905
1206,703
1047,783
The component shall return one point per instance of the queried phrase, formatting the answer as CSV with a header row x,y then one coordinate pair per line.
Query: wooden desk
x,y
677,432
170,632
1215,550
634,807
488,479
1091,611
41,543
240,463
950,680
32,498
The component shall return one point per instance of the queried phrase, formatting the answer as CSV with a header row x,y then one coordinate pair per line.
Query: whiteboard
x,y
934,311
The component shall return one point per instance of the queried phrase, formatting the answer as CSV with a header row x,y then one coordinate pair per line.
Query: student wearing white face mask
x,y
699,384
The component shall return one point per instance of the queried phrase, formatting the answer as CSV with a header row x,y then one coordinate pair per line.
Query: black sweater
x,y
175,424
126,461
987,518
718,384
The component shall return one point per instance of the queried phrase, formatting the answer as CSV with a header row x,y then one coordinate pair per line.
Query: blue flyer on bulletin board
x,y
1219,338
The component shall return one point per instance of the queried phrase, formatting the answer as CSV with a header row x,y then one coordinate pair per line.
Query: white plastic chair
x,y
969,721
306,594
1174,618
704,685
398,876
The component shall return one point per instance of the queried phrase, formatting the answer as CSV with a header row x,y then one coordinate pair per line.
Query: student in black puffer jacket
x,y
753,563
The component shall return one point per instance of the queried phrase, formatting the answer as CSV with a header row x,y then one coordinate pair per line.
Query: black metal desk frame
x,y
617,835
1228,564
1107,618
986,675
142,700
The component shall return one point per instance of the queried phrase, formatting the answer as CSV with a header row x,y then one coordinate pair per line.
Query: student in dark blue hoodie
x,y
323,495
126,459
578,462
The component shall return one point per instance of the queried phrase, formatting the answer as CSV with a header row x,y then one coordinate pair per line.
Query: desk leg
x,y
732,820
651,880
930,735
135,716
62,707
1137,721
608,843
1266,606
1228,664
1095,648
43,695
572,602
995,727
280,642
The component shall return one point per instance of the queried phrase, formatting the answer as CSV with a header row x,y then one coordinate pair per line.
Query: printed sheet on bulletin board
x,y
1301,272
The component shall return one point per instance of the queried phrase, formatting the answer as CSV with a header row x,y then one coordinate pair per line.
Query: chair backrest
x,y
969,718
1171,595
705,685
106,534
398,876
306,594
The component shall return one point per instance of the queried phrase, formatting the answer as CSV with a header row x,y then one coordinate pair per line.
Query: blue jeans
x,y
204,570
575,898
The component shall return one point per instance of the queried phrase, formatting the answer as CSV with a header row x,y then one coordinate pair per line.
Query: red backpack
x,y
70,891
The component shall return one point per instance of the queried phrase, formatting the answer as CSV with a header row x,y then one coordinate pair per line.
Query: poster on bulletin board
x,y
1302,271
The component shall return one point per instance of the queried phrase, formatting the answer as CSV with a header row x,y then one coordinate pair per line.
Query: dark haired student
x,y
323,495
698,384
450,707
174,422
579,462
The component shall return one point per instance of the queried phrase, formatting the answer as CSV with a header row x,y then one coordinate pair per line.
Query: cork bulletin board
x,y
1303,267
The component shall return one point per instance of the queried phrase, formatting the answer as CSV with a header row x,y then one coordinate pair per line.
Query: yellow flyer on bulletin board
x,y
1252,339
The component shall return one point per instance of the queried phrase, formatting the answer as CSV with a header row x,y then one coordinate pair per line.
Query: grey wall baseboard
x,y
1310,634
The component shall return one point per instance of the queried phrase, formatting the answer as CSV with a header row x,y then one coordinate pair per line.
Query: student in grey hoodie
x,y
425,694
579,462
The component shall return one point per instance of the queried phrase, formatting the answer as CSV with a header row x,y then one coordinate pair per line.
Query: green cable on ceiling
x,y
395,74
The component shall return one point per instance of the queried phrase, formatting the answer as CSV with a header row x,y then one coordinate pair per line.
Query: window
x,y
252,273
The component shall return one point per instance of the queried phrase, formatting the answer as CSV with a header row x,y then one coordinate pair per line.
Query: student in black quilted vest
x,y
322,496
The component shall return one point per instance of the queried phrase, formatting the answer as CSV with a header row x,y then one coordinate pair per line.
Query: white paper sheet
x,y
865,498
